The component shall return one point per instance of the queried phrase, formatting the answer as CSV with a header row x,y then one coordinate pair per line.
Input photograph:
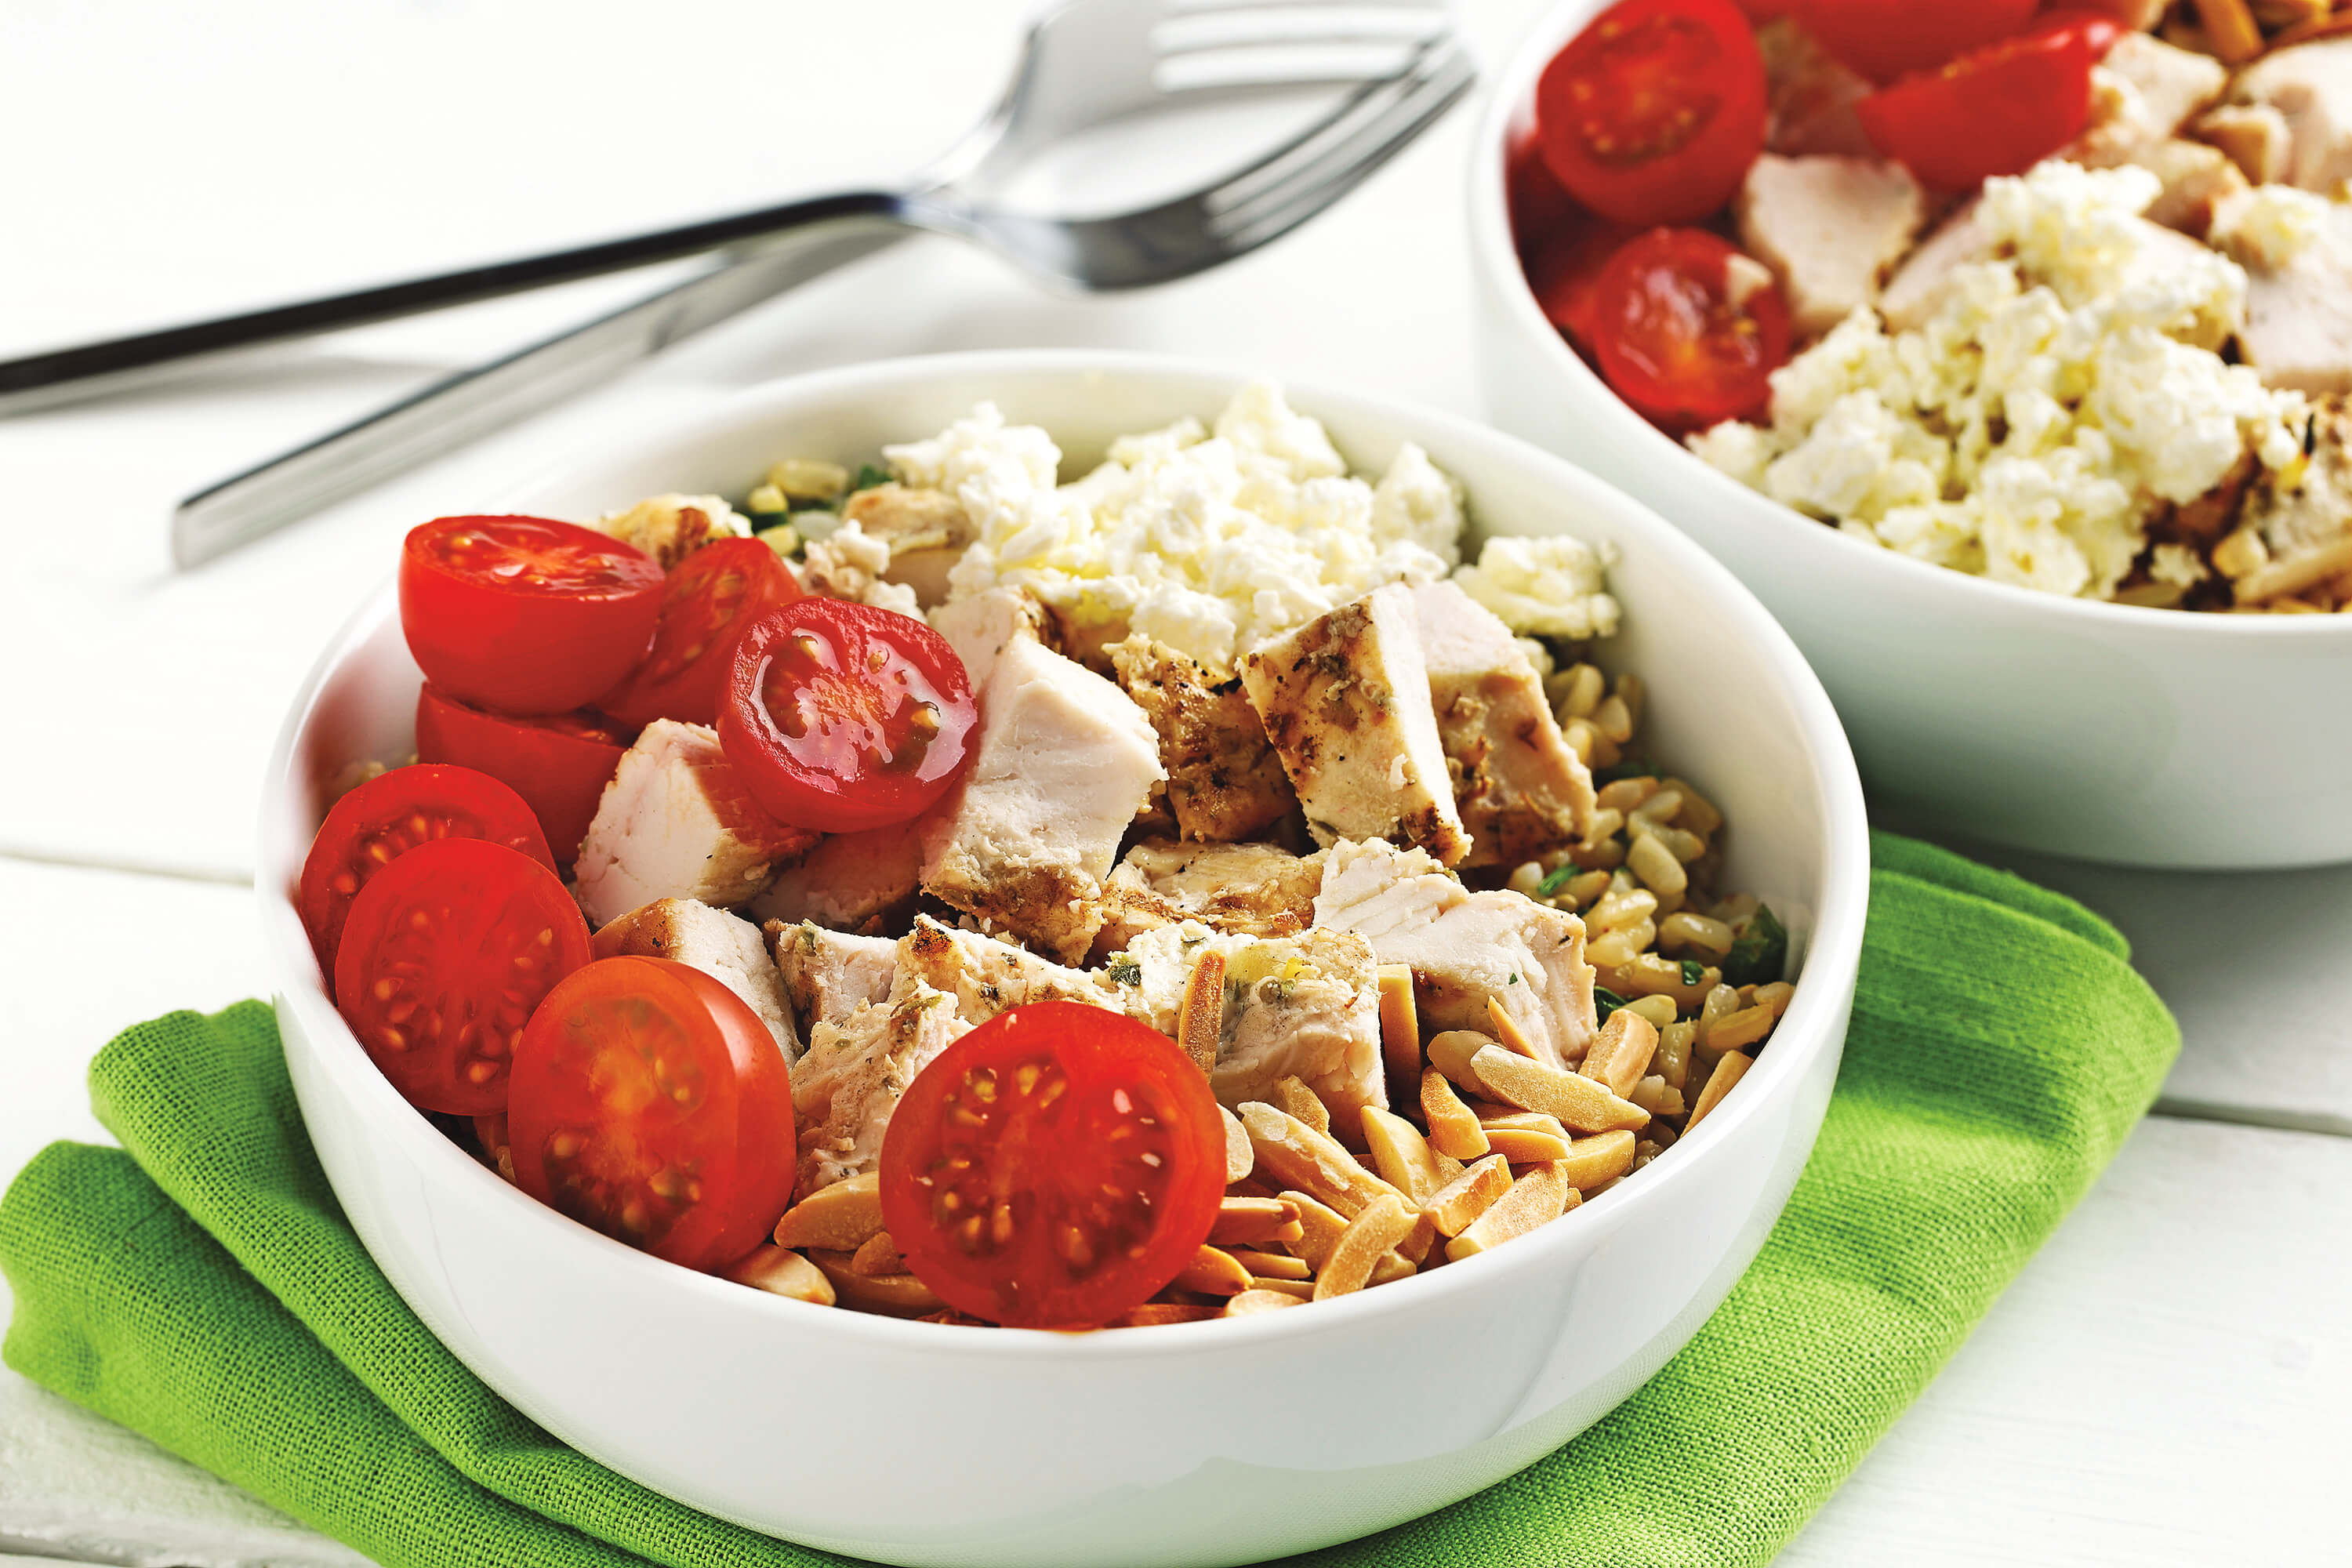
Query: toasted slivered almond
x,y
1506,1030
842,1217
1151,1314
1523,1121
897,1295
1321,1227
1656,1096
1293,1096
1451,1053
1454,1130
1536,1199
782,1273
1621,1054
1390,1266
1240,1160
1290,1152
1214,1273
1720,1082
1595,1161
1384,1222
1296,1289
1273,1265
1419,1239
2231,30
878,1257
1400,1023
1402,1156
1581,1103
1733,1030
1522,1146
1201,1021
1241,1220
1252,1301
1461,1201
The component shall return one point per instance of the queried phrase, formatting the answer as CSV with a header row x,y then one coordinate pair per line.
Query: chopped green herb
x,y
1605,1002
1760,953
1514,978
761,521
1692,972
1125,971
869,477
1631,768
1554,881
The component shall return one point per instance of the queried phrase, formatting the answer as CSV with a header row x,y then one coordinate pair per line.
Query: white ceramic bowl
x,y
1210,1443
2142,737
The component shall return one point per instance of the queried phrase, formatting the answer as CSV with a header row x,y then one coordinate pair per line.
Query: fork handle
x,y
474,402
85,370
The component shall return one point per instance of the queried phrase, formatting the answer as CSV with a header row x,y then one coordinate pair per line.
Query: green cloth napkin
x,y
201,1286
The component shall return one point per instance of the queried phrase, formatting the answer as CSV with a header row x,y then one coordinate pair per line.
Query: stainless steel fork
x,y
1086,65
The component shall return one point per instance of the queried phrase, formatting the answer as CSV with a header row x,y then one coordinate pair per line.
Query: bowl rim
x,y
1494,260
1818,1012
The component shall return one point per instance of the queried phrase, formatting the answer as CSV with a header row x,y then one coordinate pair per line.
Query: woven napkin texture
x,y
200,1285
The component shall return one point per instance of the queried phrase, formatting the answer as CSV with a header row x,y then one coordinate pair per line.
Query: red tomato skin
x,y
1885,39
743,1129
456,802
690,693
1693,178
502,646
1998,112
559,765
2099,30
491,897
795,791
1685,259
1098,1051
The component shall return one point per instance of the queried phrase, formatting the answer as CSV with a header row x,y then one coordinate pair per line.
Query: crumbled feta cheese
x,y
1416,504
2269,225
1552,586
848,563
2177,563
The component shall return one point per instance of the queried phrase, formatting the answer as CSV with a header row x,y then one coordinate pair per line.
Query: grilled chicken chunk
x,y
2306,526
926,530
1061,763
986,976
2298,331
1829,228
1224,783
677,823
855,1072
671,528
1345,699
1465,948
851,881
2309,87
979,627
1519,788
727,949
1304,1005
826,975
1260,890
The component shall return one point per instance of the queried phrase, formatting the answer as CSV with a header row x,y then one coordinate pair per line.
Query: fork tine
x,y
1233,7
1316,150
1294,26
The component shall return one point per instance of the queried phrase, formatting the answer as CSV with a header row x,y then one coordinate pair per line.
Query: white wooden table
x,y
2166,1383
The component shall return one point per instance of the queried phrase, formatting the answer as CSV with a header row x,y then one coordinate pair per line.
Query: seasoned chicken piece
x,y
847,565
1465,948
2254,136
1917,292
2198,182
986,976
1304,1005
851,881
1519,788
926,530
677,823
1262,890
1812,96
979,627
1829,228
1224,783
2306,526
1345,699
2170,85
1061,762
726,949
826,975
854,1074
671,528
2298,329
2309,87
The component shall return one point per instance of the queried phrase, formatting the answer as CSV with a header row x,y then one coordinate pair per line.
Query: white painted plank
x,y
2165,1385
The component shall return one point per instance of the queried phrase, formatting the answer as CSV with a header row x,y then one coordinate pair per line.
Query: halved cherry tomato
x,y
447,952
1883,40
559,764
523,614
2099,30
1654,113
1054,1168
1680,338
1998,112
710,598
390,814
651,1104
843,717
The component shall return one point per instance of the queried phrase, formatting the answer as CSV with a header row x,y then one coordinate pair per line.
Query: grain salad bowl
x,y
1217,1442
2141,737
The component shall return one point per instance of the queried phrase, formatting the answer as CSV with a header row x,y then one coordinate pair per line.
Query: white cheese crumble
x,y
2268,227
2032,429
1554,585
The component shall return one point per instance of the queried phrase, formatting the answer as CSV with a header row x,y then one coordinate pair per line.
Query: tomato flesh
x,y
559,764
1677,339
1054,1168
1883,39
522,615
390,814
709,598
843,717
1654,113
651,1104
446,955
1998,112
